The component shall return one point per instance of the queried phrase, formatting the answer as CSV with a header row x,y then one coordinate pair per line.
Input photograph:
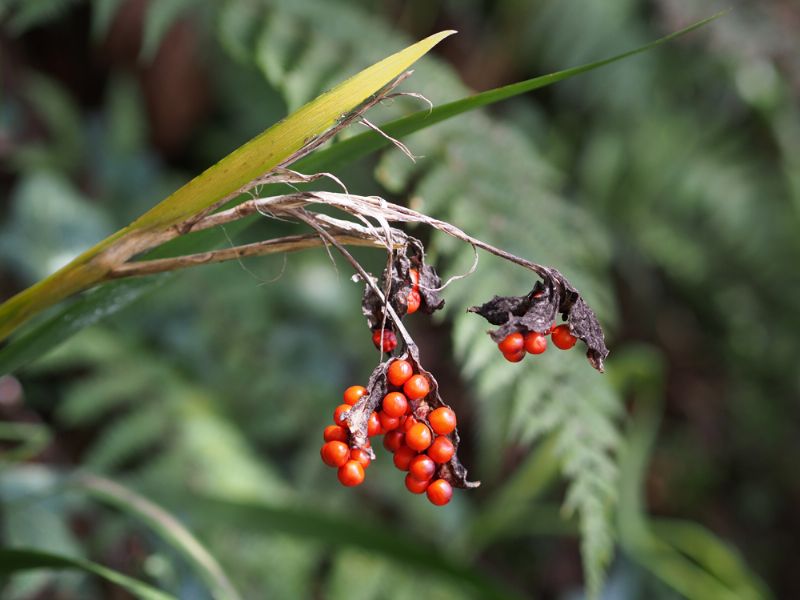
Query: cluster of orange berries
x,y
386,339
418,448
515,345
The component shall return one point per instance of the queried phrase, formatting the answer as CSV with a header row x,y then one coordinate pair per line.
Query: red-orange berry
x,y
535,342
361,456
395,404
408,423
418,437
442,420
353,394
513,342
393,440
414,485
399,372
422,467
335,433
442,449
403,457
413,275
514,357
388,423
416,387
374,425
351,473
386,342
334,454
413,301
337,414
562,338
439,492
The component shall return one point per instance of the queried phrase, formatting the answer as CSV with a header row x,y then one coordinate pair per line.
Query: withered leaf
x,y
537,310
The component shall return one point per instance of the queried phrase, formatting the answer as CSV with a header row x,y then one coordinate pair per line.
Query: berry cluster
x,y
515,345
420,439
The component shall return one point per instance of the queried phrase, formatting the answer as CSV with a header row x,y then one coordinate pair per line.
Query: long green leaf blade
x,y
18,560
366,143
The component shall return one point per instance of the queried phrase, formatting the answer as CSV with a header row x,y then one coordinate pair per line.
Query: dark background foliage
x,y
665,187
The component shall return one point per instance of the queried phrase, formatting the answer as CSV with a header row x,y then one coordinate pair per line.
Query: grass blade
x,y
167,527
17,560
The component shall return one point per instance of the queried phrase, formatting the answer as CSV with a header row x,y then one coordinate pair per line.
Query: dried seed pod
x,y
537,310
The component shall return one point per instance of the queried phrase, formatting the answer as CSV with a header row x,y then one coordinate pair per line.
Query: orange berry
x,y
413,301
562,338
513,342
442,449
535,342
335,433
414,485
439,492
361,456
334,454
422,467
399,372
403,457
395,404
388,423
442,420
417,387
387,342
373,425
351,473
408,422
515,357
418,437
353,394
338,417
393,440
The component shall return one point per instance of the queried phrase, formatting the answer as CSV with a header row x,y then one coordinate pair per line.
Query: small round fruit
x,y
399,372
417,387
408,423
338,417
353,394
361,456
386,342
335,433
418,437
562,338
513,342
413,301
374,425
393,440
334,454
535,342
422,467
442,420
413,275
403,457
441,450
439,492
351,473
388,423
395,404
514,357
414,485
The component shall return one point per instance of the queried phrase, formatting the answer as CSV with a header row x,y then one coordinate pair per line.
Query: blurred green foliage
x,y
664,187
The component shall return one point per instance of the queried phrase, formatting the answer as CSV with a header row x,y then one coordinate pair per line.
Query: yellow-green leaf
x,y
244,164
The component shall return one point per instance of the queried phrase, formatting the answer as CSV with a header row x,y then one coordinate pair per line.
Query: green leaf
x,y
369,142
32,438
18,560
351,532
256,157
168,528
